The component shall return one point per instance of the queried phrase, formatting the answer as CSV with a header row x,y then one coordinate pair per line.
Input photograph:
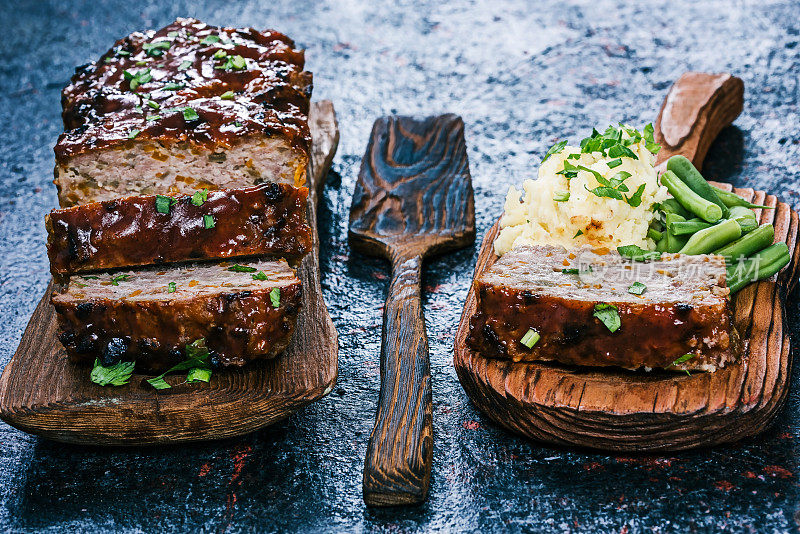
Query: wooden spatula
x,y
413,199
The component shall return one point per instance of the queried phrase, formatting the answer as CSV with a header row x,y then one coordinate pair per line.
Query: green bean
x,y
745,217
673,206
732,199
712,238
688,227
708,211
758,266
689,174
654,234
749,244
661,246
674,243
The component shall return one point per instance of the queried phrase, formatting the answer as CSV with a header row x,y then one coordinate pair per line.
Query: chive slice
x,y
115,280
608,315
530,338
227,95
210,39
238,63
184,65
190,114
637,288
208,221
614,163
132,134
199,197
172,86
561,196
172,287
637,253
163,203
555,149
275,297
219,54
151,118
153,104
236,268
260,275
684,358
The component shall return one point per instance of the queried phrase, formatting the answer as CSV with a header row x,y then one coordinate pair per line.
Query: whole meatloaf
x,y
680,321
182,108
243,311
268,219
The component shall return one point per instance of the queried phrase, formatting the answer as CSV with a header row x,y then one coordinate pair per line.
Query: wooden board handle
x,y
698,106
397,470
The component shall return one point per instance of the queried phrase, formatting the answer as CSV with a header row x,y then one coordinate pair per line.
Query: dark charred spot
x,y
683,308
86,344
111,206
114,351
273,192
84,309
493,340
240,331
529,297
291,309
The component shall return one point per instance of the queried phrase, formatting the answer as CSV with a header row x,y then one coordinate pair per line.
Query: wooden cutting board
x,y
623,411
41,392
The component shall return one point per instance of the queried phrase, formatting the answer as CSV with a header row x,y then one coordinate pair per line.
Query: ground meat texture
x,y
269,219
150,315
684,310
209,107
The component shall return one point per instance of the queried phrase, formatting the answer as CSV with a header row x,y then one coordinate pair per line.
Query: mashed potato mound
x,y
585,218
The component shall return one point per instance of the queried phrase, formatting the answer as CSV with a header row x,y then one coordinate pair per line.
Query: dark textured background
x,y
520,77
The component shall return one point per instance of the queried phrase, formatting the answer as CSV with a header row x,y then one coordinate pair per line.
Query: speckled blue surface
x,y
521,77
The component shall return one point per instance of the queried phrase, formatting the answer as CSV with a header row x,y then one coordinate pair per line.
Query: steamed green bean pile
x,y
703,219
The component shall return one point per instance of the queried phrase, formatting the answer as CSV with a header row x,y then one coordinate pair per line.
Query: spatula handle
x,y
397,470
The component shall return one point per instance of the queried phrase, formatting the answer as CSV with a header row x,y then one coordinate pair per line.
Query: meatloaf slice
x,y
268,219
683,310
182,108
243,311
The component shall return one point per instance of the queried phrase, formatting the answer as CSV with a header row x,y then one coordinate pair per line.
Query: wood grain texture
x,y
41,392
413,198
620,411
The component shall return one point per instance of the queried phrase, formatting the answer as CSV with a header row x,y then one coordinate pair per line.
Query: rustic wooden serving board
x,y
41,392
624,411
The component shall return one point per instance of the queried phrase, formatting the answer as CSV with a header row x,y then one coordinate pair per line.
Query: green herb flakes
x,y
115,280
163,203
173,86
555,149
172,287
184,65
637,253
153,104
227,95
135,79
614,163
637,288
189,114
530,338
197,357
156,49
275,297
577,234
636,198
236,268
682,359
219,54
210,39
118,374
132,134
199,197
577,271
260,275
198,374
608,315
151,118
561,196
208,222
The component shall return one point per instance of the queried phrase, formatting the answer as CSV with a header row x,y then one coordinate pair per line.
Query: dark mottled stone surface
x,y
520,76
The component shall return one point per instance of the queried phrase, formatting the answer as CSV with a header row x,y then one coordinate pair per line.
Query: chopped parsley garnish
x,y
236,268
561,196
190,114
90,277
260,275
227,95
199,197
608,315
574,156
115,280
118,374
208,221
172,287
172,35
569,171
233,63
530,338
153,104
198,374
275,297
682,359
132,134
141,63
210,39
614,163
172,86
636,198
123,53
609,188
184,65
157,48
649,139
578,233
219,54
577,271
621,150
135,79
611,143
637,288
197,357
637,253
163,203
555,149
237,124
152,117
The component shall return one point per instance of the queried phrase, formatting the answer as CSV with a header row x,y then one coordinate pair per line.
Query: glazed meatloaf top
x,y
269,219
188,82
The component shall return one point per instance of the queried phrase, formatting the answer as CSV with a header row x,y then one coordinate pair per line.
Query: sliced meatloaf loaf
x,y
243,311
268,219
182,108
571,301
